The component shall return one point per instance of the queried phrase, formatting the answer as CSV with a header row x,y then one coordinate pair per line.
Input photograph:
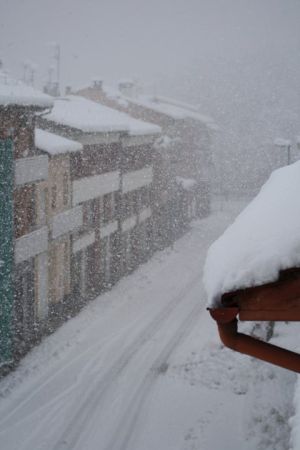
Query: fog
x,y
238,60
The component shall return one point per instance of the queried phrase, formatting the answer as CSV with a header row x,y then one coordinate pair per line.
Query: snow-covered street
x,y
142,368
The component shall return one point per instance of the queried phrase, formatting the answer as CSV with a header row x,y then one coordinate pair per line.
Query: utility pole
x,y
57,59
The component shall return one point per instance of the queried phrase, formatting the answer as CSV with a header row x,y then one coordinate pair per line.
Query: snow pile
x,y
53,144
86,115
13,92
264,239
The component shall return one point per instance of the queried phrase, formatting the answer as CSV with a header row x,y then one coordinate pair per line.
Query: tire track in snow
x,y
126,427
84,410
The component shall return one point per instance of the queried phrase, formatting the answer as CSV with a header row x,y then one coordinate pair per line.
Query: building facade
x,y
23,239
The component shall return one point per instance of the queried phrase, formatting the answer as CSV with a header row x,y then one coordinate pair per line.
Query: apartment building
x,y
23,239
113,164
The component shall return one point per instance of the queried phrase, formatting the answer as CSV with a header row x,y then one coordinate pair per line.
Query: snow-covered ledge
x,y
31,244
108,229
92,187
29,170
144,214
66,222
129,223
137,179
84,242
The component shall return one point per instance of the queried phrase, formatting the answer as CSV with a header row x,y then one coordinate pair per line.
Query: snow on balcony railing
x,y
31,244
29,170
137,179
95,186
84,241
66,222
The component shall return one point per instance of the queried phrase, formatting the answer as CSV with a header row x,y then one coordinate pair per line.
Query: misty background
x,y
237,60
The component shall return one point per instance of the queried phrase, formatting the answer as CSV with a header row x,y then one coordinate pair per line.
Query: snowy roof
x,y
172,108
89,116
115,94
13,92
53,144
263,240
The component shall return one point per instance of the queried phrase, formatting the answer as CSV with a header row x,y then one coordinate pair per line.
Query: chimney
x,y
97,84
128,88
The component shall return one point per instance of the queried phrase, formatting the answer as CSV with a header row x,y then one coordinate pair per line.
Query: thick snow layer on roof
x,y
264,239
173,109
53,144
13,92
86,115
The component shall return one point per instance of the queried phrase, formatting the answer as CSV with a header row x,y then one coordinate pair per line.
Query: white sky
x,y
239,59
118,38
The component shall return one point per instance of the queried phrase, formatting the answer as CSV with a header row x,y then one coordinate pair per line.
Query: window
x,y
109,205
54,196
66,189
91,213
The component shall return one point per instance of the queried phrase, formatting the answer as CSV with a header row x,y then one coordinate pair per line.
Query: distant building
x,y
184,152
111,180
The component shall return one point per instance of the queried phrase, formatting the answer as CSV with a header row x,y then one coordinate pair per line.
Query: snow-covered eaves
x,y
14,92
85,115
92,117
262,241
54,144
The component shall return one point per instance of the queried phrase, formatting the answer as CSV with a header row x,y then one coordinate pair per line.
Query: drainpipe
x,y
231,338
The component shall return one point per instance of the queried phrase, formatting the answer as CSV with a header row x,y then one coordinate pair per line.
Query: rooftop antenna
x,y
32,72
50,75
25,66
53,85
57,59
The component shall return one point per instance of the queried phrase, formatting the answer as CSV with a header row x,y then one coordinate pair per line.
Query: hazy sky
x,y
238,59
120,38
